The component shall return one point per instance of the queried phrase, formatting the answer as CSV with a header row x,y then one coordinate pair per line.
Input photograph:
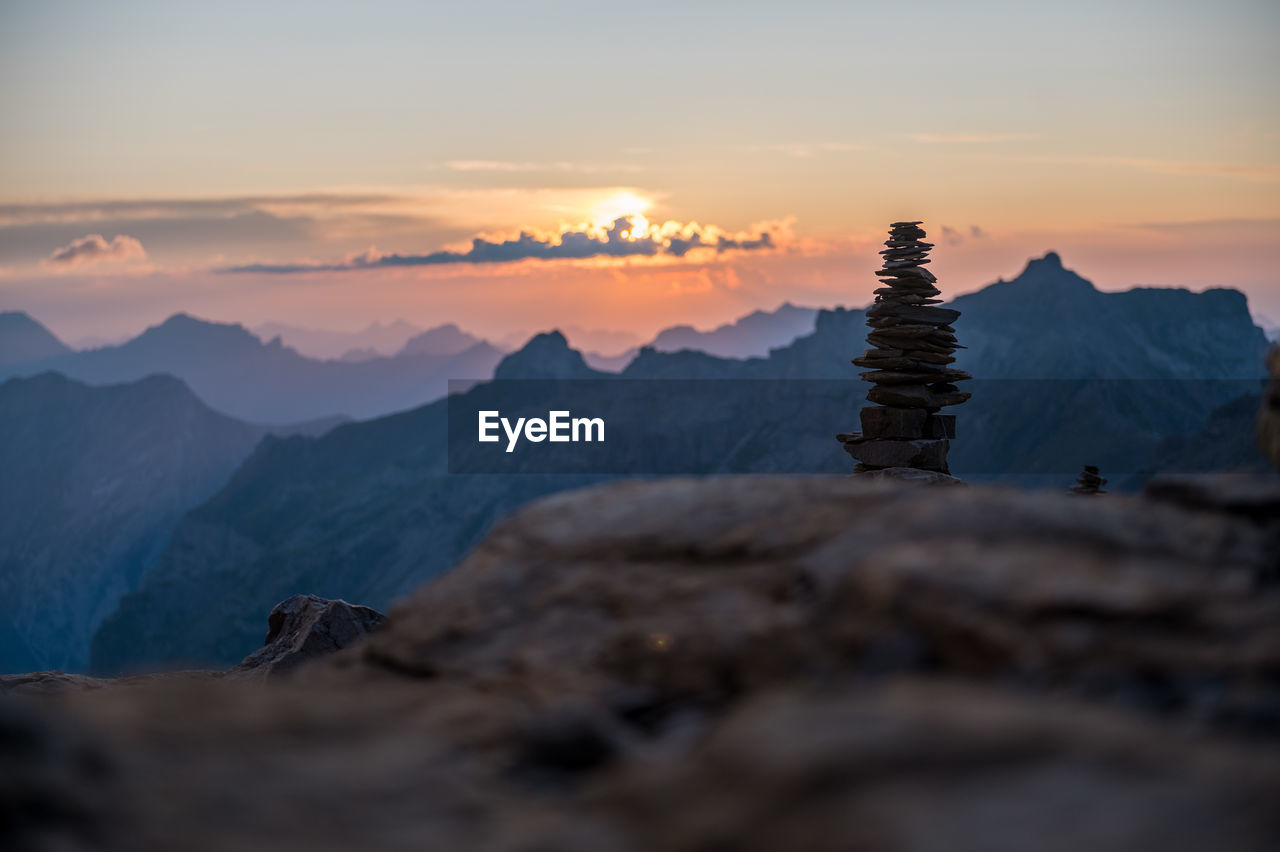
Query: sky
x,y
515,167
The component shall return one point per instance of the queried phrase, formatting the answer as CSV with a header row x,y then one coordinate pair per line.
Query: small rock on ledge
x,y
303,627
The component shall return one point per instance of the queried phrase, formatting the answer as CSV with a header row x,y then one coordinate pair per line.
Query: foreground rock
x,y
744,663
300,629
306,627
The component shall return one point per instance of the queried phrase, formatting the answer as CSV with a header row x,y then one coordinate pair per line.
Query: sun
x,y
607,210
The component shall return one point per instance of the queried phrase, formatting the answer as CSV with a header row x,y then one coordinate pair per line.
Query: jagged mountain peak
x,y
23,338
446,339
546,356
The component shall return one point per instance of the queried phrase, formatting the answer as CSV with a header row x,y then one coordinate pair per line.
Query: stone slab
x,y
922,453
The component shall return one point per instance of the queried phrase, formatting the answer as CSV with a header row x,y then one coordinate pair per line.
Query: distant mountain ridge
x,y
24,339
445,339
369,510
747,337
379,338
94,479
237,373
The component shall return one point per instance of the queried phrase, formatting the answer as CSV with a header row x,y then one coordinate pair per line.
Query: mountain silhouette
x,y
379,338
445,339
24,339
94,480
237,373
750,336
370,510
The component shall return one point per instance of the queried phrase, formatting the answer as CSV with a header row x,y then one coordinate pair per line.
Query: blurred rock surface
x,y
750,663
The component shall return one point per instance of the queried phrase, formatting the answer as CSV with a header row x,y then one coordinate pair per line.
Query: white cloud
x,y
94,248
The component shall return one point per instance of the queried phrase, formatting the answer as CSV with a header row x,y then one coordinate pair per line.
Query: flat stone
x,y
886,422
916,272
923,291
892,338
905,264
924,453
914,396
912,330
906,376
886,363
940,426
929,357
914,313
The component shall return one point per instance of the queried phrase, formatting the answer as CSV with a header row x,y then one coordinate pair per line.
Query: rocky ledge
x,y
734,663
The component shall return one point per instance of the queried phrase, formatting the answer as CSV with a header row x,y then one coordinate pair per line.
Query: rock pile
x,y
1088,482
909,364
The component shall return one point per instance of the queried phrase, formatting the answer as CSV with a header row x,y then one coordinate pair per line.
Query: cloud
x,y
969,138
626,237
94,248
955,236
97,210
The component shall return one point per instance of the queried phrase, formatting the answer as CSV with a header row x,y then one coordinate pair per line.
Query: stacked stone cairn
x,y
909,364
1088,482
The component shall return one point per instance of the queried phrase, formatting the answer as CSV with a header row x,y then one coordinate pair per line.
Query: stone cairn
x,y
1088,482
912,342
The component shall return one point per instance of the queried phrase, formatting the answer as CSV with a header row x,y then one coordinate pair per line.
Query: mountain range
x,y
94,480
23,340
238,374
262,378
747,337
1067,375
378,339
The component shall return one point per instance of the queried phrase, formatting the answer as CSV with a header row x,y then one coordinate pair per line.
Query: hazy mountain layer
x,y
24,339
378,338
235,372
94,480
369,510
752,335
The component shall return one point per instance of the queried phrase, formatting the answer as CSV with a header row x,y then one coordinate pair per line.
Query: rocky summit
x,y
747,663
908,366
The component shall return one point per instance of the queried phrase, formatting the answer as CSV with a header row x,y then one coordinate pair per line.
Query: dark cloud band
x,y
569,245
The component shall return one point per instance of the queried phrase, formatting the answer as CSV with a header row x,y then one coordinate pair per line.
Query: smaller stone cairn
x,y
908,366
1088,482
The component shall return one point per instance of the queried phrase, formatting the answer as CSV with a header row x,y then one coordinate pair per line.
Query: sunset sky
x,y
330,164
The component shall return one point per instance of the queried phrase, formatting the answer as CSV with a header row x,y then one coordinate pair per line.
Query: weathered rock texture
x,y
304,627
741,663
908,365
